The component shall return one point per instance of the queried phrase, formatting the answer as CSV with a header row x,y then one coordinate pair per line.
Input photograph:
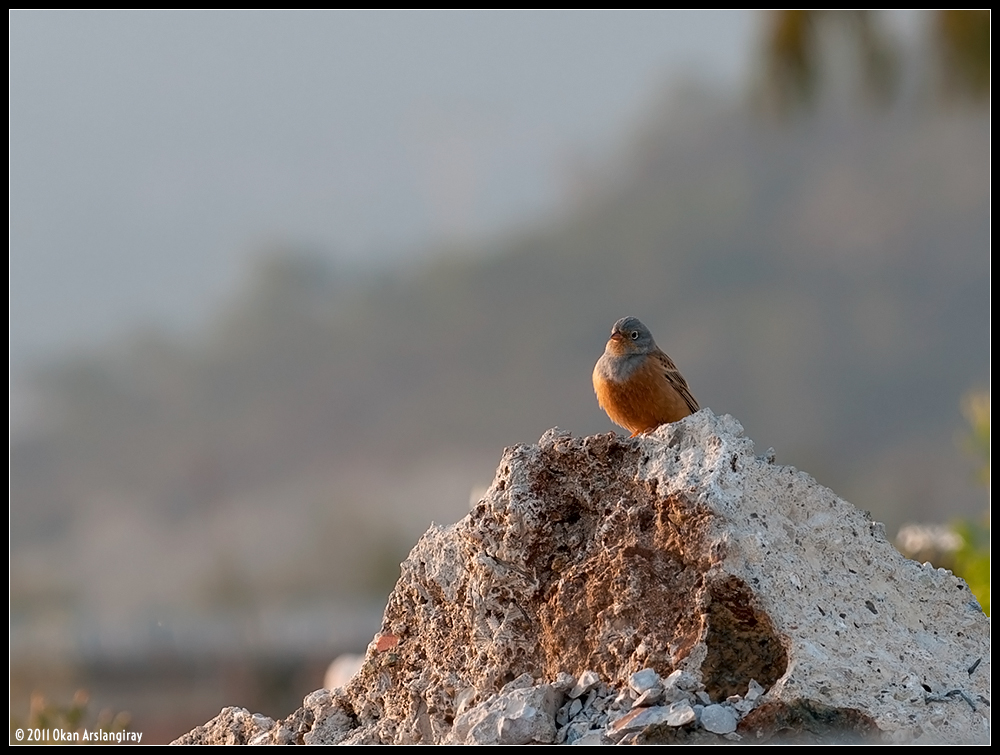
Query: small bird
x,y
637,384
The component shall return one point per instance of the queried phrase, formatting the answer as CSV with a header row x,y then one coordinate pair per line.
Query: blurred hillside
x,y
825,279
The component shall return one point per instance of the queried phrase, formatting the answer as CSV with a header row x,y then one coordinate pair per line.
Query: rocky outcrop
x,y
667,588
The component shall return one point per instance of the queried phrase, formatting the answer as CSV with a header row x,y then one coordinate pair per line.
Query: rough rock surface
x,y
656,589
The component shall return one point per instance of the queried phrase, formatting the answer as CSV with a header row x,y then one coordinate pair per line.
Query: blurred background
x,y
283,285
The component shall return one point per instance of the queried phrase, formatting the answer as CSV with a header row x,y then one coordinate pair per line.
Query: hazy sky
x,y
152,151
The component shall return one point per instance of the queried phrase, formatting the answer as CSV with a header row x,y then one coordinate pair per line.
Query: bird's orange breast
x,y
643,402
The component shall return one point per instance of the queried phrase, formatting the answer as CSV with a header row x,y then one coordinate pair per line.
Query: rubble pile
x,y
673,587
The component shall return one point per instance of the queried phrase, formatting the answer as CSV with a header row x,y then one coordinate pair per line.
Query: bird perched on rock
x,y
637,384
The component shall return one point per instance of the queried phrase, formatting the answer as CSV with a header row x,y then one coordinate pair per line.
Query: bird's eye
x,y
635,335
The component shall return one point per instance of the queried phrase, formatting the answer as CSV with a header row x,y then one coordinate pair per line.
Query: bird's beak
x,y
616,336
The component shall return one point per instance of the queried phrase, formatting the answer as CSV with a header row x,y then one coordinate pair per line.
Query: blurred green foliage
x,y
798,63
972,559
800,48
976,408
963,43
46,716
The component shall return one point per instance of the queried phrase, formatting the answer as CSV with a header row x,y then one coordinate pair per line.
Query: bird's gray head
x,y
629,336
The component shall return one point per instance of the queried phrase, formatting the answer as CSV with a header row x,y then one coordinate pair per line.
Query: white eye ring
x,y
635,335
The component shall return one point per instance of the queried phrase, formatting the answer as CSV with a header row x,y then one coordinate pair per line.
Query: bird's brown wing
x,y
677,381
